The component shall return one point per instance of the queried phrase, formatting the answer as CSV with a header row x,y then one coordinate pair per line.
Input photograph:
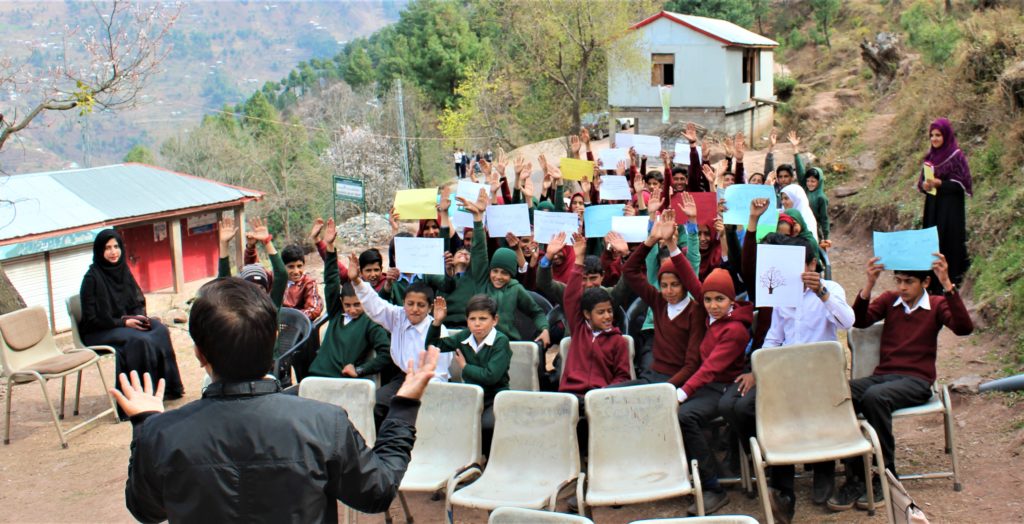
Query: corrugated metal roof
x,y
60,200
722,30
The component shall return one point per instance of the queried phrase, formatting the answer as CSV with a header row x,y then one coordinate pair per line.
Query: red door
x,y
199,249
148,252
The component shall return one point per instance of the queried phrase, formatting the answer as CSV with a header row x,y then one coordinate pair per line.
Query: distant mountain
x,y
222,52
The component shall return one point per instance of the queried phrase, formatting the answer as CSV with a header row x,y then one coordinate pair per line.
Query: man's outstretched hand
x,y
417,377
139,398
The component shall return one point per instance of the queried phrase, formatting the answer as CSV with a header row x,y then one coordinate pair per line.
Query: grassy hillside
x,y
875,141
222,52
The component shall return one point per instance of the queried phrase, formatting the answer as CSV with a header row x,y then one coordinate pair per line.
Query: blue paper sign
x,y
737,200
909,250
597,220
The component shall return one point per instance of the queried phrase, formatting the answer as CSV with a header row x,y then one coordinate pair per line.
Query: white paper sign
x,y
514,218
683,153
471,190
778,278
610,158
615,187
632,229
547,224
420,255
623,140
647,145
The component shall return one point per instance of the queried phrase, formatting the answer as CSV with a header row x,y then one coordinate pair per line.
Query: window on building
x,y
663,69
751,65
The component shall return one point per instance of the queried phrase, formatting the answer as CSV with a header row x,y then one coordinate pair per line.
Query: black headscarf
x,y
117,291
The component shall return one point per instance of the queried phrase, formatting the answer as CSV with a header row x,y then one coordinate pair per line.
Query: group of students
x,y
695,279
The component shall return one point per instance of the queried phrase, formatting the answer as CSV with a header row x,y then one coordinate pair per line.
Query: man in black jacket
x,y
244,453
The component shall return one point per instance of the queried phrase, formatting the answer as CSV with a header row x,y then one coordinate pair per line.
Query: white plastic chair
x,y
507,515
29,354
447,438
522,371
805,414
716,519
355,395
563,351
622,422
534,455
865,347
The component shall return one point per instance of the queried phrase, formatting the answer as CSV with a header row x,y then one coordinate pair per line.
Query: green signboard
x,y
349,189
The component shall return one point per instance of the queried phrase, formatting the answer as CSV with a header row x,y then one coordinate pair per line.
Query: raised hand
x,y
690,134
528,190
543,162
449,263
417,377
579,246
330,233
440,310
689,205
502,163
705,147
135,398
393,274
795,140
394,219
314,231
709,174
353,269
719,227
773,138
258,230
638,186
873,269
758,206
574,144
617,243
512,240
654,204
227,230
620,168
740,145
555,246
629,210
663,228
941,269
728,145
446,200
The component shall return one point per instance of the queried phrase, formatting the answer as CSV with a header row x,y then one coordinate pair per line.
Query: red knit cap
x,y
720,281
668,267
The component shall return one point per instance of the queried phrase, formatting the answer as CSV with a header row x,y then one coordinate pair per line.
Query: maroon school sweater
x,y
592,362
676,346
909,342
722,349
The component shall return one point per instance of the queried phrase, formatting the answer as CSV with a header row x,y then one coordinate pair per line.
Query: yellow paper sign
x,y
929,174
573,169
416,204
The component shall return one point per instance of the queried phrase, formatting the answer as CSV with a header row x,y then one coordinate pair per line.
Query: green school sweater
x,y
487,368
362,343
459,289
512,299
280,284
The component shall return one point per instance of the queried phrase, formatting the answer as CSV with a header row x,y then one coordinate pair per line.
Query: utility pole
x,y
401,132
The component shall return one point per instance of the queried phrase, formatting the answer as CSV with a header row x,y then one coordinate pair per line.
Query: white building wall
x,y
766,87
700,74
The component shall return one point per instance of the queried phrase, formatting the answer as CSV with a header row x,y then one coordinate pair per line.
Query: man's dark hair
x,y
654,175
234,325
593,297
482,303
422,288
369,257
292,253
592,265
784,167
347,290
920,275
678,170
778,239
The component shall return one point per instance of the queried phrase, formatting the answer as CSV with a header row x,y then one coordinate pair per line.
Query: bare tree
x,y
772,279
105,63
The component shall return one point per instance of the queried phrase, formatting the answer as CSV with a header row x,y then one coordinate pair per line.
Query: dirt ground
x,y
40,482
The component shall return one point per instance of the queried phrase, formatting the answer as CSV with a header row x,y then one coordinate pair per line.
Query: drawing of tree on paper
x,y
772,279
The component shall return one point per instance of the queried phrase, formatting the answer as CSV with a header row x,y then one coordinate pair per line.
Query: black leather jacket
x,y
246,453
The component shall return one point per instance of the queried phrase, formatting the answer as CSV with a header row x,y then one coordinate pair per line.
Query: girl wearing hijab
x,y
946,209
802,230
793,197
813,183
114,314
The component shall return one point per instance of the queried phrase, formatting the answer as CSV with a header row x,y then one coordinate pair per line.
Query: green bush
x,y
784,86
796,39
930,31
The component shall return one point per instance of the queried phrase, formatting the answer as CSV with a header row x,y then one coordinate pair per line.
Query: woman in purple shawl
x,y
946,210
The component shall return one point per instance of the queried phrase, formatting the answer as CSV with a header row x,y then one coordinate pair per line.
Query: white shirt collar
x,y
712,320
346,319
924,303
423,325
673,310
488,340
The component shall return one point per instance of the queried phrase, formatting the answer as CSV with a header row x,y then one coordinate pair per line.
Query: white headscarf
x,y
801,203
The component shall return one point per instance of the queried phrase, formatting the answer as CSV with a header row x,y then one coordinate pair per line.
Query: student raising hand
x,y
353,268
476,208
440,310
574,144
941,269
617,243
873,269
418,376
555,246
690,134
579,245
795,140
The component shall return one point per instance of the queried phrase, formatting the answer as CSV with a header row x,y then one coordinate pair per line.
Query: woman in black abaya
x,y
114,314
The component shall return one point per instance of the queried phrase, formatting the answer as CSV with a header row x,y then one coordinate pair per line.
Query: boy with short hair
x,y
354,346
302,293
408,325
906,365
484,356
